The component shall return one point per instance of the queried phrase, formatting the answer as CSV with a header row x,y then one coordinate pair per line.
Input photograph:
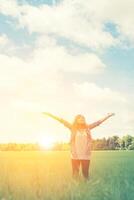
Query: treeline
x,y
19,147
111,143
114,143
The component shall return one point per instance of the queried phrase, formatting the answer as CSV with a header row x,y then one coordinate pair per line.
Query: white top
x,y
82,146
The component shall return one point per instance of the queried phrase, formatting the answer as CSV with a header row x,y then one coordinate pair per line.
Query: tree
x,y
131,146
127,140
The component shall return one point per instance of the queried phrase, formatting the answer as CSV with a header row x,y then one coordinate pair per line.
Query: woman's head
x,y
79,121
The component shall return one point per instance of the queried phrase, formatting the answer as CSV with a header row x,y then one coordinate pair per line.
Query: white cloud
x,y
57,57
79,21
118,12
42,70
8,47
3,40
64,20
9,7
93,92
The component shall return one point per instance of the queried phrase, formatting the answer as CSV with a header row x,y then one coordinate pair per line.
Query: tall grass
x,y
47,176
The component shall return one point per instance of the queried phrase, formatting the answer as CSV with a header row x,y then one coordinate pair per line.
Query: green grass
x,y
47,176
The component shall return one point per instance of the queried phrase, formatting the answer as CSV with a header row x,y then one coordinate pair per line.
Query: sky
x,y
65,57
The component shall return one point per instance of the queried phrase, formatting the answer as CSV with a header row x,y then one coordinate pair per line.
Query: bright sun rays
x,y
47,142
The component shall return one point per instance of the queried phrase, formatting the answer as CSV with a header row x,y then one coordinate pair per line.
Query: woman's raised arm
x,y
64,122
97,123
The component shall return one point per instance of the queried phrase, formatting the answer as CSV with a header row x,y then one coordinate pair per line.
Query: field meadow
x,y
46,175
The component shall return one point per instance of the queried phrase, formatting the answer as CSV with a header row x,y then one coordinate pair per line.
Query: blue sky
x,y
74,49
19,35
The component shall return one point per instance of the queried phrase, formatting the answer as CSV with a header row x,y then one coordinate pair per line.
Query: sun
x,y
46,143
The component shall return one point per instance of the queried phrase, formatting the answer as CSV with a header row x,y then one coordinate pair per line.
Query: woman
x,y
80,142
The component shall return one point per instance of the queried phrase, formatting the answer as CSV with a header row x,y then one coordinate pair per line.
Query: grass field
x,y
47,176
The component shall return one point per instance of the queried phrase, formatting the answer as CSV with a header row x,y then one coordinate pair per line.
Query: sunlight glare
x,y
46,143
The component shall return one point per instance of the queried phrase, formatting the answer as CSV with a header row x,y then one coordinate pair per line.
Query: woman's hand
x,y
46,113
110,114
